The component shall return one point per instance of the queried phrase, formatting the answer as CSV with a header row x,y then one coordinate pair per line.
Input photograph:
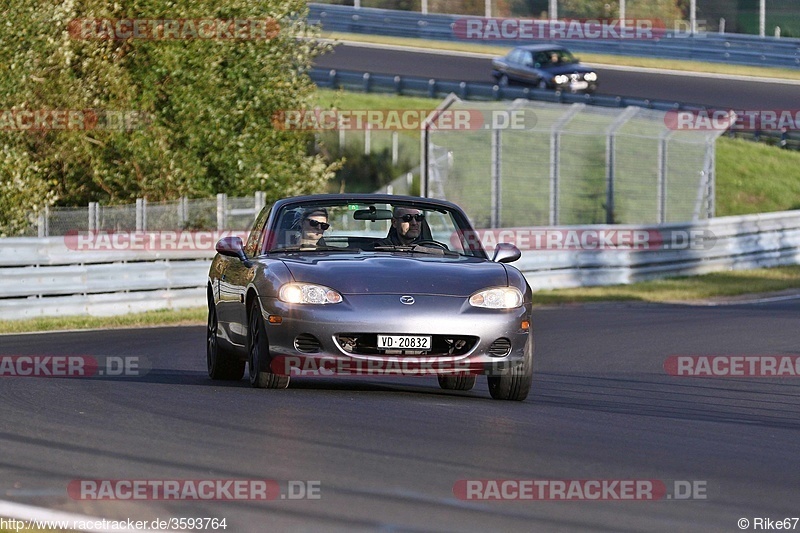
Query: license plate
x,y
404,342
578,85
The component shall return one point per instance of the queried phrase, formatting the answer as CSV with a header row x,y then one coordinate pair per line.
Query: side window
x,y
515,56
541,58
256,239
528,60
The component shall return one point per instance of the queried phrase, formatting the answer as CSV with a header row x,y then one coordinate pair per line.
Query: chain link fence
x,y
569,164
220,213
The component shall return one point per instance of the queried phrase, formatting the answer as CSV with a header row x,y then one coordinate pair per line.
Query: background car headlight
x,y
308,293
499,298
590,76
561,79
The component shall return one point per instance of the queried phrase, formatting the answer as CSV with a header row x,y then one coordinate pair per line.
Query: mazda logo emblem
x,y
407,300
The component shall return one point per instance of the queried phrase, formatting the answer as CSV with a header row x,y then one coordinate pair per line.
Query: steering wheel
x,y
437,244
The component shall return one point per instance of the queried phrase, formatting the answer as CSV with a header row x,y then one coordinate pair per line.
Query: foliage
x,y
202,107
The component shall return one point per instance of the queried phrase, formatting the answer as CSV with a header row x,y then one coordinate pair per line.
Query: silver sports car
x,y
361,284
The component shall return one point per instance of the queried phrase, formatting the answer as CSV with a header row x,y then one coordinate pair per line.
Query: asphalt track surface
x,y
387,452
714,92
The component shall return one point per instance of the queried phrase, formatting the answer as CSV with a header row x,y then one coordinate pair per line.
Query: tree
x,y
161,117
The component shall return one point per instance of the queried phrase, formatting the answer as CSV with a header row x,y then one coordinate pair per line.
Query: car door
x,y
234,280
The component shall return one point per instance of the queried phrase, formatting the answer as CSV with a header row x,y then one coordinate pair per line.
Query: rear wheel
x,y
258,353
515,383
457,382
221,365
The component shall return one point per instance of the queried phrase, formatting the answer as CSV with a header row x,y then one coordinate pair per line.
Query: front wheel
x,y
457,382
221,365
515,384
258,353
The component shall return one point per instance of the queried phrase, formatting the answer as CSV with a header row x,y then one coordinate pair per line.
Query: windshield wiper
x,y
314,249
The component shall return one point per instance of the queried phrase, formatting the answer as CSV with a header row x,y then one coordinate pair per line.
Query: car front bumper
x,y
369,315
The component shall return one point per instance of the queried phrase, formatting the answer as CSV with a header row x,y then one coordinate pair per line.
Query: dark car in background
x,y
544,66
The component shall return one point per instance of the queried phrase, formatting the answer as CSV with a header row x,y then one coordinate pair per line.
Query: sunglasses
x,y
317,224
409,218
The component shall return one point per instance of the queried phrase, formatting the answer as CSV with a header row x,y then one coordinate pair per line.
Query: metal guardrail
x,y
57,280
433,88
738,49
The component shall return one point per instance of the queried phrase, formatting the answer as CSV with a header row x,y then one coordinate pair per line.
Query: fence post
x,y
555,151
496,173
610,159
395,147
661,177
367,139
141,214
222,210
183,211
93,216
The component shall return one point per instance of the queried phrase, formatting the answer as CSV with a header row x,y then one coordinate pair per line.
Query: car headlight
x,y
308,293
561,79
590,76
498,298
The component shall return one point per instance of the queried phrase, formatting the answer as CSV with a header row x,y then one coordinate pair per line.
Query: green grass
x,y
189,316
755,178
716,285
600,59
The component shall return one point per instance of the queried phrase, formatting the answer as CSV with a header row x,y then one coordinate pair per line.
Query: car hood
x,y
567,69
397,273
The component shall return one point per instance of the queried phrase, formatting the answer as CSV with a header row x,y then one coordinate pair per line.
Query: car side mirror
x,y
232,246
506,253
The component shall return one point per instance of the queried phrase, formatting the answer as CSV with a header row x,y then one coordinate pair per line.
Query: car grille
x,y
444,345
500,348
307,343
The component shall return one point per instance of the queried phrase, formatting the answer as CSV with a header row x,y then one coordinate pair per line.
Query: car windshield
x,y
557,57
378,227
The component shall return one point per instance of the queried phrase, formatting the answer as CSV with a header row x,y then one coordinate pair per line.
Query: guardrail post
x,y
222,210
462,88
432,88
141,214
366,82
398,85
332,78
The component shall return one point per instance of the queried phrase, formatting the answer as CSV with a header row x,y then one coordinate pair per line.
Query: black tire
x,y
258,352
457,382
515,384
221,364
